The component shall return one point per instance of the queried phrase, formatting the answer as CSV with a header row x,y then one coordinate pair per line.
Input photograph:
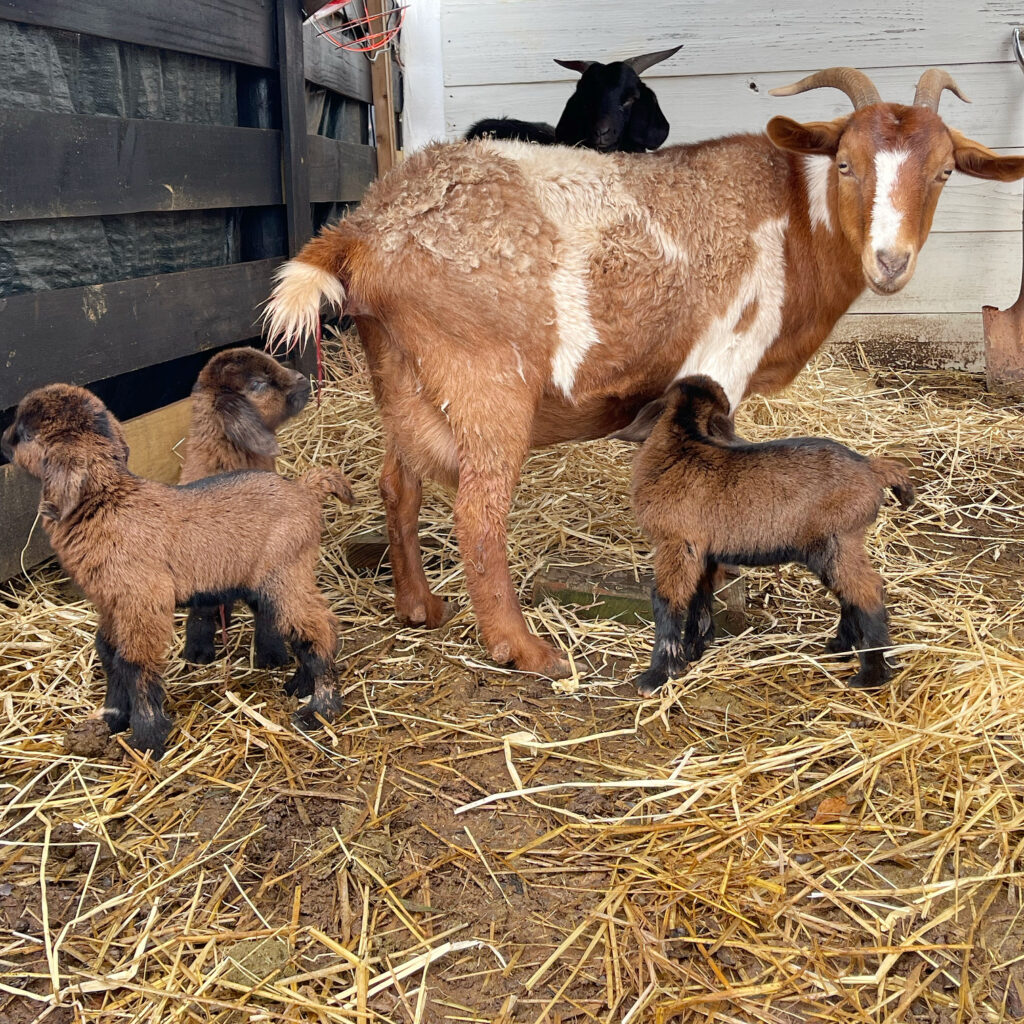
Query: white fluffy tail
x,y
292,312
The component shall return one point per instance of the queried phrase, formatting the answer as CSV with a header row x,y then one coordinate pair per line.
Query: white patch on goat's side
x,y
573,322
885,218
816,177
292,312
731,357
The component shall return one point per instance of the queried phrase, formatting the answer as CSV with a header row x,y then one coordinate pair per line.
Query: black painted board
x,y
339,171
19,500
342,71
69,165
80,335
237,30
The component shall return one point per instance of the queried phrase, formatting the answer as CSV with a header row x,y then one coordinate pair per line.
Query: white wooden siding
x,y
498,59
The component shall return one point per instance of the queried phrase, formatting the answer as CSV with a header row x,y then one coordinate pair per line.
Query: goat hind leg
x,y
200,634
402,491
271,650
138,660
117,705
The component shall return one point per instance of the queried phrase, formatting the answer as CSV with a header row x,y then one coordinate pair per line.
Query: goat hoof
x,y
650,682
837,645
199,654
307,719
870,679
300,685
539,658
430,613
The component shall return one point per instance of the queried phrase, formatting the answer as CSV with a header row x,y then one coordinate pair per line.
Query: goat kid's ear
x,y
814,137
648,126
720,425
243,426
981,162
64,478
643,423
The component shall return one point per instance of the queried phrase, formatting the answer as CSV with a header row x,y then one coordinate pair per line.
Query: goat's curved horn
x,y
930,86
854,83
647,60
575,65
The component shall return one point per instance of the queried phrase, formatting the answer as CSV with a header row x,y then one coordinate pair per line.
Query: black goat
x,y
611,110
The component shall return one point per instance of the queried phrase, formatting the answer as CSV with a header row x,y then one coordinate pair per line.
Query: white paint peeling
x,y
885,218
816,178
731,357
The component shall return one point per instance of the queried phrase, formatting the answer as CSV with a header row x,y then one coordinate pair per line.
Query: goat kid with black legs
x,y
610,111
138,549
240,400
704,496
511,296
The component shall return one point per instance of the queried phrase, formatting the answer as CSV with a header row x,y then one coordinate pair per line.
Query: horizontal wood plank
x,y
80,335
70,165
706,106
339,171
237,30
339,70
490,41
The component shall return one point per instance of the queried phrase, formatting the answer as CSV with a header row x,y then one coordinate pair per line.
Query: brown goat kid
x,y
512,296
139,549
704,496
240,400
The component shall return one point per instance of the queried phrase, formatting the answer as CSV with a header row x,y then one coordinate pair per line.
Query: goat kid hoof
x,y
199,655
872,680
650,682
300,685
307,719
837,646
271,657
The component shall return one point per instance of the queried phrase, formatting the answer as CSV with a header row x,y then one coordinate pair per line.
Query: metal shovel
x,y
1004,328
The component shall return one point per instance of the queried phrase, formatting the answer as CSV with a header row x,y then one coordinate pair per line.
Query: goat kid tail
x,y
292,313
893,474
327,480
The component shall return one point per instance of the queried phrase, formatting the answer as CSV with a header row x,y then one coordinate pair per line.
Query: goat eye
x,y
844,168
945,174
258,386
629,101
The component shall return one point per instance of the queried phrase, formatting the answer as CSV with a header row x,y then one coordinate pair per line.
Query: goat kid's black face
x,y
612,110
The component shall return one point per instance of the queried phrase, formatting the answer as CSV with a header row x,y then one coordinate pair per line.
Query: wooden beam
x,y
383,97
237,30
341,71
152,439
81,335
71,165
293,124
339,171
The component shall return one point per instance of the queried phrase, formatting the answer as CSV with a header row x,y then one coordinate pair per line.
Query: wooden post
x,y
383,96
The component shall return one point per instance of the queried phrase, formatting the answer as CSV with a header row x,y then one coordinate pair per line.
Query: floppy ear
x,y
647,127
980,162
643,423
109,427
720,426
814,137
570,131
64,478
243,426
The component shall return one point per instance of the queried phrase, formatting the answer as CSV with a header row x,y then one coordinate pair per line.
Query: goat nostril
x,y
893,263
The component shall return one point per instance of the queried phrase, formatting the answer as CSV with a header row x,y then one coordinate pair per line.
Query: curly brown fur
x,y
138,549
704,496
242,397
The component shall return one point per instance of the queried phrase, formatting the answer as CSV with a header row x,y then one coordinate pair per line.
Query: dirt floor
x,y
759,843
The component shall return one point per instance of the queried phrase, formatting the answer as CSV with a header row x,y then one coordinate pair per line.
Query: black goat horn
x,y
644,61
575,65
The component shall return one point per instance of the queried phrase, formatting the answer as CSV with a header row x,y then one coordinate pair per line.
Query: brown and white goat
x,y
240,399
139,549
704,496
511,296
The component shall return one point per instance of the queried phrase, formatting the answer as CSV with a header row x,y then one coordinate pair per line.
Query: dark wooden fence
x,y
58,165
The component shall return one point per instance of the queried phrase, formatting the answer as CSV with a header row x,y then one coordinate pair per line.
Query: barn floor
x,y
757,844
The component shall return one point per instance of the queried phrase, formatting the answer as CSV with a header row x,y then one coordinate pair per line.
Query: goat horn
x,y
642,63
854,83
575,65
930,86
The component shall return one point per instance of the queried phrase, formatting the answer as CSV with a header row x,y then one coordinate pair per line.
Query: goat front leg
x,y
402,491
117,706
482,504
677,599
201,627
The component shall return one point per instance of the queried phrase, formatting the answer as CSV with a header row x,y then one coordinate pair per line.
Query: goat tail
x,y
327,480
893,474
316,275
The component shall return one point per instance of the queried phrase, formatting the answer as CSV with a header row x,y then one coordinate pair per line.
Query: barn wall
x,y
498,59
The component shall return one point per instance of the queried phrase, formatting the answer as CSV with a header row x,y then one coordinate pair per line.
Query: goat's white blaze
x,y
816,173
886,220
293,309
730,356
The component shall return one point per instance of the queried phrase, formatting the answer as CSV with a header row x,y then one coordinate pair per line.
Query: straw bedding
x,y
756,844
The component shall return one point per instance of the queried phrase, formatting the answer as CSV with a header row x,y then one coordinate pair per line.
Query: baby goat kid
x,y
139,548
703,496
242,397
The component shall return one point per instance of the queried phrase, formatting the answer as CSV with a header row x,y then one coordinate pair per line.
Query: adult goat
x,y
510,296
611,110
